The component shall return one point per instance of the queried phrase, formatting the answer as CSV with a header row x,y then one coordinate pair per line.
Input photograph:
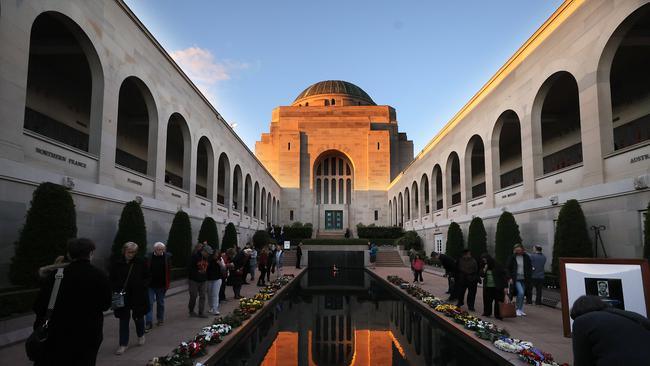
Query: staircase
x,y
330,234
289,258
389,258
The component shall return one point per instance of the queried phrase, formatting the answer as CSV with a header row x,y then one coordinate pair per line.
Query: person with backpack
x,y
418,267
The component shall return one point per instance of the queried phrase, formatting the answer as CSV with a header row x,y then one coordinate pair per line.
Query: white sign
x,y
287,244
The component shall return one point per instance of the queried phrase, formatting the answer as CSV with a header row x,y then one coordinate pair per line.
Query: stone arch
x,y
425,208
437,191
331,169
407,202
506,146
475,167
256,200
223,180
415,201
237,189
204,168
452,179
177,152
248,195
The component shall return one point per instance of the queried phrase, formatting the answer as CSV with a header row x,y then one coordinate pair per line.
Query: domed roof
x,y
335,87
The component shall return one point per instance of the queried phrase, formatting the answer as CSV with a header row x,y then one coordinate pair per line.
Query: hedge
x,y
17,301
335,242
296,232
455,242
379,232
229,237
179,241
571,235
507,235
209,233
477,238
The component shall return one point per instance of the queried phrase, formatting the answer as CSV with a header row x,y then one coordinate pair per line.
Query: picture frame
x,y
623,283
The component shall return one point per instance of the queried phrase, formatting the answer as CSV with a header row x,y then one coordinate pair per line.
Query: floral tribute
x,y
184,354
499,336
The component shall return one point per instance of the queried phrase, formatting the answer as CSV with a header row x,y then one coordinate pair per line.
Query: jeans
x,y
251,270
197,289
520,285
124,327
213,294
538,284
157,294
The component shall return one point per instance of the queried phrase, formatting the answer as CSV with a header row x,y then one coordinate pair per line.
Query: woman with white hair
x,y
159,265
129,276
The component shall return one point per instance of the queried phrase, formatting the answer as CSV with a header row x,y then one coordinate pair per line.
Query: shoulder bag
x,y
35,343
117,301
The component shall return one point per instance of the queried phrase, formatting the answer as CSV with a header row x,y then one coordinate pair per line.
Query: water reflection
x,y
347,318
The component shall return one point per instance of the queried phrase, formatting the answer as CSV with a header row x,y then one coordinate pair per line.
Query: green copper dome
x,y
335,87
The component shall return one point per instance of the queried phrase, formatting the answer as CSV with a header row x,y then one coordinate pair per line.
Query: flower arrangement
x,y
511,345
250,305
535,356
263,296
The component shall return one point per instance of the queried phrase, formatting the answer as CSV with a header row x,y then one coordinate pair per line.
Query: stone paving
x,y
542,326
161,340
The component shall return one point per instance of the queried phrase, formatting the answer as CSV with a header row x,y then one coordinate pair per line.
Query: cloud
x,y
205,70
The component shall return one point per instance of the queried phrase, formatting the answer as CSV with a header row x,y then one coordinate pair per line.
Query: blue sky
x,y
424,58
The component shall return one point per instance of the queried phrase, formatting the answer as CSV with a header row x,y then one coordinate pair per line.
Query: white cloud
x,y
204,69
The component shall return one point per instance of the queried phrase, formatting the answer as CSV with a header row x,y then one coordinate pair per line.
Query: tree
x,y
261,239
179,241
571,235
131,227
229,237
455,242
411,240
49,224
646,231
507,236
209,233
477,238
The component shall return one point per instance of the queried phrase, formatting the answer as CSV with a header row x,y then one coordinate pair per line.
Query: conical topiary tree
x,y
50,222
571,235
179,241
131,227
229,237
646,231
209,233
477,238
455,243
261,239
507,236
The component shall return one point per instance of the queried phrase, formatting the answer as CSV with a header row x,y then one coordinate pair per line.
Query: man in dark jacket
x,y
197,275
467,279
76,325
603,335
159,264
520,271
449,264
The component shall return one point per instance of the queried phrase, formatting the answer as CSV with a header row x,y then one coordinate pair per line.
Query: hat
x,y
208,249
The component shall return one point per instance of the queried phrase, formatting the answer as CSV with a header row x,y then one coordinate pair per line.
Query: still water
x,y
349,318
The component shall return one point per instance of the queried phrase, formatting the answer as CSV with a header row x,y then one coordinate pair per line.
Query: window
x,y
333,101
327,102
289,146
307,104
439,243
376,215
378,146
643,215
290,215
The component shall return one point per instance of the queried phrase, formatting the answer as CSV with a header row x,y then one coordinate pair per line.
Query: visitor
x,y
237,272
604,335
263,266
450,266
519,271
159,265
467,279
418,267
252,262
76,325
278,261
495,285
197,275
272,250
538,261
130,275
298,254
224,275
214,279
373,254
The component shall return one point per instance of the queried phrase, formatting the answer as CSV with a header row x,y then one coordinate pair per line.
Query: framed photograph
x,y
623,283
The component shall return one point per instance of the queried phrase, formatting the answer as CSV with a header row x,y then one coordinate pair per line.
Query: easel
x,y
599,239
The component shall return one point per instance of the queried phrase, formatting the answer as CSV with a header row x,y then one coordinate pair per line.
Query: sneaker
x,y
120,350
217,312
148,327
518,312
141,341
211,311
522,313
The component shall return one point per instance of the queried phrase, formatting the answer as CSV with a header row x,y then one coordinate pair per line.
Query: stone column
x,y
595,131
531,153
491,177
108,133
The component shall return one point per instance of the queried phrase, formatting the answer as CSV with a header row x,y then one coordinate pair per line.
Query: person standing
x,y
538,261
77,322
373,253
467,279
278,260
214,278
197,275
298,254
130,275
450,266
603,335
225,260
159,265
494,285
272,263
237,272
263,266
252,262
418,267
519,270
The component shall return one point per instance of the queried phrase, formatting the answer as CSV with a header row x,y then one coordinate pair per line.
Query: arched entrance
x,y
332,190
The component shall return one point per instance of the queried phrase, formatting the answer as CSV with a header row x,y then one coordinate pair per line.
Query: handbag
x,y
507,308
117,300
35,343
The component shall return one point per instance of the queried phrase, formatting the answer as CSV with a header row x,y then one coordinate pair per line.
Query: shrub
x,y
294,232
261,239
229,237
379,232
455,242
297,224
50,222
646,234
131,227
411,240
335,242
179,241
507,236
571,235
477,238
209,233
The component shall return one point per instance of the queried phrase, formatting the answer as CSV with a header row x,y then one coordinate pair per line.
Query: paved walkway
x,y
160,341
542,326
